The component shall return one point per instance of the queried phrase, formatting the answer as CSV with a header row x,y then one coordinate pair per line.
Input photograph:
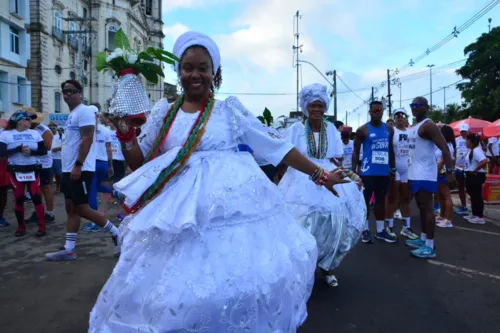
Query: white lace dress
x,y
216,250
335,222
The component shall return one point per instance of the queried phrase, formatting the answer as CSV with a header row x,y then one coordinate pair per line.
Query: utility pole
x,y
346,113
373,94
430,76
297,48
489,25
389,92
335,95
444,104
400,86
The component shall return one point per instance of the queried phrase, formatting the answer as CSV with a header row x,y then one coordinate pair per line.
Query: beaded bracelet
x,y
323,179
315,175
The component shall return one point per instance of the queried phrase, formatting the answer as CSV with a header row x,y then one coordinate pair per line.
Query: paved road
x,y
382,289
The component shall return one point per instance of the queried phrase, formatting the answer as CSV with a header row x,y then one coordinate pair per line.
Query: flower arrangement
x,y
124,60
129,99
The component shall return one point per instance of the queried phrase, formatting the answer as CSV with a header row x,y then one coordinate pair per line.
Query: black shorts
x,y
269,170
375,184
118,171
46,177
77,190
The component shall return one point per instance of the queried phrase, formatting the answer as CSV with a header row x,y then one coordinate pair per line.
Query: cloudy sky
x,y
360,39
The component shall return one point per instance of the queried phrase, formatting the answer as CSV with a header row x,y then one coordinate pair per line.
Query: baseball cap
x,y
20,114
463,127
39,115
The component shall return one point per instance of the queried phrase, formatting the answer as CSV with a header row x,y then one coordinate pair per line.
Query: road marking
x,y
463,269
481,231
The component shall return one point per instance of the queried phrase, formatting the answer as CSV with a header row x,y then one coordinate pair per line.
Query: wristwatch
x,y
449,170
78,163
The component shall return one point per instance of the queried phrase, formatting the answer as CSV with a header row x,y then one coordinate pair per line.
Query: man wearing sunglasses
x,y
78,165
424,137
376,167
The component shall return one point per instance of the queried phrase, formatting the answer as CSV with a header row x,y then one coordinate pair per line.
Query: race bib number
x,y
403,152
23,177
380,157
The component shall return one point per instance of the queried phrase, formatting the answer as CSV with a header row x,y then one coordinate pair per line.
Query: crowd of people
x,y
227,220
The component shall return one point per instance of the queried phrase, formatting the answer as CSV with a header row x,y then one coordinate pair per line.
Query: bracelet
x,y
124,138
323,179
315,175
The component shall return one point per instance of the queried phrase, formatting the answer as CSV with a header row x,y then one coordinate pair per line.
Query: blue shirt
x,y
376,151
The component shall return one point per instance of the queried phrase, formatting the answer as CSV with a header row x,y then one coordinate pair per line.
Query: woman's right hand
x,y
334,178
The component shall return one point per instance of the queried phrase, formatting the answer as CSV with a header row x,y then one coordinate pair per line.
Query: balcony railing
x,y
86,50
73,42
58,33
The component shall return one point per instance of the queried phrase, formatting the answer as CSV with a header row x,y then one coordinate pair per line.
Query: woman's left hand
x,y
335,177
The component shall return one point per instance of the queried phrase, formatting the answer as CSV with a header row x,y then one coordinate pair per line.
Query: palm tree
x,y
454,112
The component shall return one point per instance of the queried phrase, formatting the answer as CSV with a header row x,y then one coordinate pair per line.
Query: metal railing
x,y
58,33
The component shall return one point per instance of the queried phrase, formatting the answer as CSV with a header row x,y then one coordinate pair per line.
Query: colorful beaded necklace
x,y
319,153
182,157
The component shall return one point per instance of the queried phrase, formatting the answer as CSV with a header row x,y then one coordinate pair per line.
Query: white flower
x,y
115,54
132,58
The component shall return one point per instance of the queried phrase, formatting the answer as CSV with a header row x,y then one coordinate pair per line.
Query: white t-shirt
x,y
348,150
401,148
28,138
102,136
46,160
477,157
116,149
81,116
57,143
439,155
462,152
494,147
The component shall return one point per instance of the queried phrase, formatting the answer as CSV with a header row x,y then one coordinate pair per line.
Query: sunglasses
x,y
70,91
400,115
377,110
417,105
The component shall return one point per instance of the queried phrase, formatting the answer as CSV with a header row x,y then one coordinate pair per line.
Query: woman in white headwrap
x,y
335,222
209,246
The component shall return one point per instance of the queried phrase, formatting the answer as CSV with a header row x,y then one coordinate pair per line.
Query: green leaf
x,y
100,61
150,76
121,40
169,55
154,68
145,56
262,120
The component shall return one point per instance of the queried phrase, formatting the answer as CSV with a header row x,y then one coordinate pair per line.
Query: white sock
x,y
390,222
366,225
423,237
407,222
70,241
51,213
380,226
430,243
111,228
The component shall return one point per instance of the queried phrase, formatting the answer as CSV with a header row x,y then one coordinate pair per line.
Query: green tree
x,y
482,70
266,118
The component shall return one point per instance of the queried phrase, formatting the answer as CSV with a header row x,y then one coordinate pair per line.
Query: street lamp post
x,y
430,76
489,24
400,86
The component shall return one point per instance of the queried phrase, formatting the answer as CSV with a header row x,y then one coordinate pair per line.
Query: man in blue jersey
x,y
376,168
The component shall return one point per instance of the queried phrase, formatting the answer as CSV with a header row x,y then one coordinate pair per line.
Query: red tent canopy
x,y
3,123
347,128
476,125
492,130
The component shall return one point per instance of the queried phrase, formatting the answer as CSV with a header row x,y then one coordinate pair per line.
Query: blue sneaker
x,y
424,252
415,243
461,211
386,236
366,237
61,255
3,222
91,227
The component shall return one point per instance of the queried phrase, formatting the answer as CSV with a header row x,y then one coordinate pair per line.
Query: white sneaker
x,y
477,220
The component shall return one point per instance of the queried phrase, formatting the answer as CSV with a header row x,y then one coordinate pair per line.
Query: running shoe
x,y
390,230
477,220
469,217
424,252
408,233
386,236
366,237
3,222
61,255
461,211
20,231
437,212
91,227
444,223
118,245
415,243
49,218
397,215
120,216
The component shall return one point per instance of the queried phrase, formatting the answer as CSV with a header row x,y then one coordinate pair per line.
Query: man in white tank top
x,y
423,138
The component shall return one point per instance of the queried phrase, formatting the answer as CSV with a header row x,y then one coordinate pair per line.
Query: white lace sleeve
x,y
150,129
265,141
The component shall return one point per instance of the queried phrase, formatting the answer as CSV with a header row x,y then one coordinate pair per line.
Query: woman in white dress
x,y
209,246
335,222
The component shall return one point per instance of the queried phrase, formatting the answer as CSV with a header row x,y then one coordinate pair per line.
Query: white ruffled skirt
x,y
335,222
215,251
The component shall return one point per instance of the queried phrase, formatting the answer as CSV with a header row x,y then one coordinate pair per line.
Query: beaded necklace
x,y
182,157
319,153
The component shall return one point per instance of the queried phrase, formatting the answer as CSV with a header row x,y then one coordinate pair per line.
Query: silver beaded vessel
x,y
128,97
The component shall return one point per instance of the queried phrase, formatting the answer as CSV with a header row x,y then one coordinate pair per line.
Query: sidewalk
x,y
491,212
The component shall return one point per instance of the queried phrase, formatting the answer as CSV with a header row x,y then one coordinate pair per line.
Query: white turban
x,y
192,38
312,93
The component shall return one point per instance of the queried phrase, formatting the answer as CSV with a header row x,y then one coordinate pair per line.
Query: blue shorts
x,y
423,185
56,167
442,180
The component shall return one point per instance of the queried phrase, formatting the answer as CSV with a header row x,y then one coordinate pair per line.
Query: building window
x,y
72,75
14,40
85,65
58,69
15,7
57,102
149,7
112,29
84,12
58,21
72,29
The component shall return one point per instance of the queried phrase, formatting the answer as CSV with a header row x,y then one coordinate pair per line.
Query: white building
x,y
65,37
15,88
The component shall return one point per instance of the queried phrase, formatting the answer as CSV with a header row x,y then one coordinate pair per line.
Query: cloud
x,y
173,31
171,5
